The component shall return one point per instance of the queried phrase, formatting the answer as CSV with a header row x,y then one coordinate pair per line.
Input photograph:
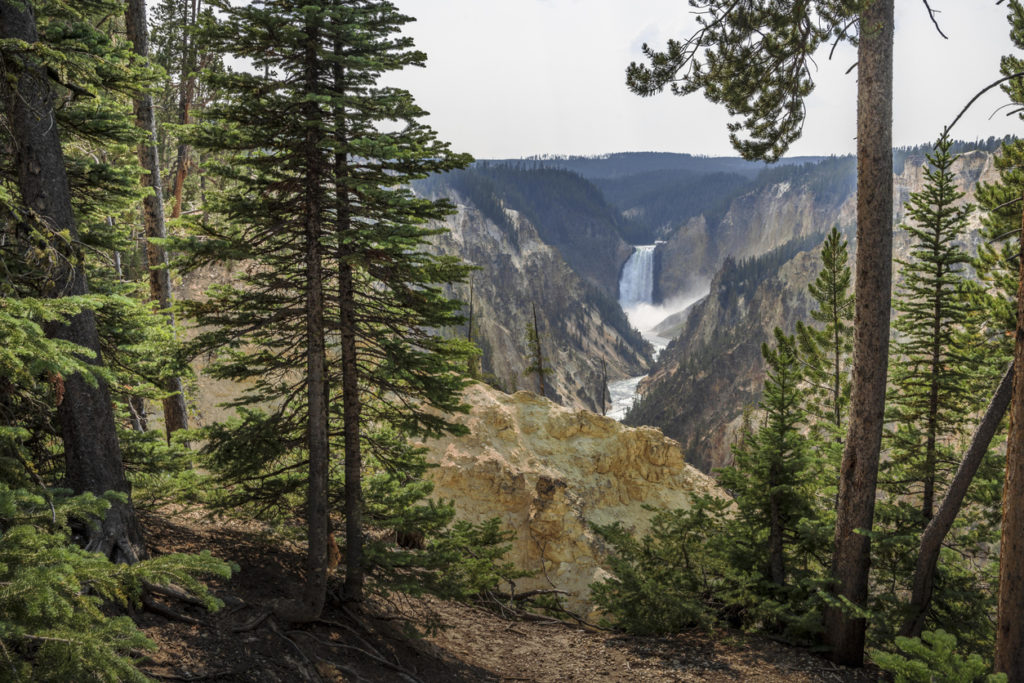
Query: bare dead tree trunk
x,y
942,522
86,415
1009,657
175,411
858,473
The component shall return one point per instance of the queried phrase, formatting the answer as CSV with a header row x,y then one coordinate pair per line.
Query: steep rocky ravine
x,y
582,330
703,381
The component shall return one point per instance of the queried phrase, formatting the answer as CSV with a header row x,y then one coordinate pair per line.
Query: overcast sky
x,y
513,78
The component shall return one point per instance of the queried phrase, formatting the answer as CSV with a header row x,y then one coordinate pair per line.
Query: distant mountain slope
x,y
567,211
632,163
582,328
702,382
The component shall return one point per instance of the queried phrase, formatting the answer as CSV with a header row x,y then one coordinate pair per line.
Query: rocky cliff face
x,y
706,377
803,201
582,330
549,473
704,380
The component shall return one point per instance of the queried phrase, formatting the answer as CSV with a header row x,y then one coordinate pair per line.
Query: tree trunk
x,y
777,562
1010,618
354,575
942,522
175,411
186,93
86,415
314,594
351,404
859,470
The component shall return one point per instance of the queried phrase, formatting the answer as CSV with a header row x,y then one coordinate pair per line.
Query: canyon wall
x,y
713,371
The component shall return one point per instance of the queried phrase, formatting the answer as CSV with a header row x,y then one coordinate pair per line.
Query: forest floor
x,y
473,644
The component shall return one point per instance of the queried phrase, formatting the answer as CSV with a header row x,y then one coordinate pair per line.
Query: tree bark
x,y
175,411
859,469
314,593
942,522
1009,658
351,403
776,555
186,93
86,416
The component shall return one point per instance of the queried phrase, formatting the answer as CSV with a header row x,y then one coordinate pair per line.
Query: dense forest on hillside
x,y
301,201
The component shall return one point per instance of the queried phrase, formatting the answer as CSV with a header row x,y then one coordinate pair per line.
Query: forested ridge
x,y
873,510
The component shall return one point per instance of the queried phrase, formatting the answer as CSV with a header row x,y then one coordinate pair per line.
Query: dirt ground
x,y
474,644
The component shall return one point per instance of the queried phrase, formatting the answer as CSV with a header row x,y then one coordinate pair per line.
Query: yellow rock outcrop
x,y
549,472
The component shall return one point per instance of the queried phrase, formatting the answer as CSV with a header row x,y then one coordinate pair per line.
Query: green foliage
x,y
469,559
760,561
933,380
780,536
741,279
826,351
661,201
535,351
748,57
673,578
54,621
933,658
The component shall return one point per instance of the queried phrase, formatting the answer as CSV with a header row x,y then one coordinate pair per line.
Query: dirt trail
x,y
474,644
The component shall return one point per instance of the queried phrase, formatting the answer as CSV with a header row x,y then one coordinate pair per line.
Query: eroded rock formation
x,y
550,472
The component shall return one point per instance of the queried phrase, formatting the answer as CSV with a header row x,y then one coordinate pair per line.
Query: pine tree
x,y
175,410
535,352
755,58
825,352
929,404
320,211
57,202
65,181
1004,202
778,536
928,398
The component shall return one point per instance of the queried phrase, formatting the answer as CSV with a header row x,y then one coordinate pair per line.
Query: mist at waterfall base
x,y
636,296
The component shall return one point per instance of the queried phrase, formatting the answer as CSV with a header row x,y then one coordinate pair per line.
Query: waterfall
x,y
636,286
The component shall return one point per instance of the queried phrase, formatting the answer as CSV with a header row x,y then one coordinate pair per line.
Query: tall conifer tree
x,y
338,291
928,399
755,58
929,402
825,352
1005,201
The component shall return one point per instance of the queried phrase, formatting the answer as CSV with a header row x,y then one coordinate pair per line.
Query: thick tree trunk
x,y
942,522
314,593
175,411
1010,619
859,470
86,414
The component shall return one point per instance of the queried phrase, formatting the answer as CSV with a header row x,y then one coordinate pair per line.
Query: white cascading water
x,y
636,295
636,285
